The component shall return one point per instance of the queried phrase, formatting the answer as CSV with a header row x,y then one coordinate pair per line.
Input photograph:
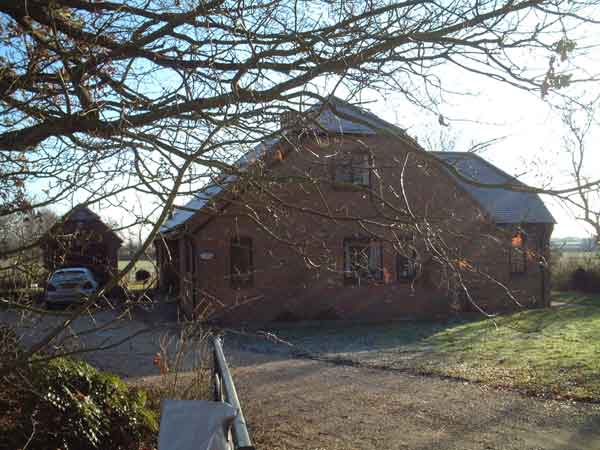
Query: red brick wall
x,y
298,251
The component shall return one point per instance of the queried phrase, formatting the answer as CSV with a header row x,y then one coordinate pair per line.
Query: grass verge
x,y
550,352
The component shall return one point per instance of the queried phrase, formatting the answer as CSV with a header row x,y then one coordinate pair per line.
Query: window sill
x,y
406,280
363,282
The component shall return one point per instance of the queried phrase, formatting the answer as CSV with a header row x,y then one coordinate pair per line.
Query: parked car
x,y
70,285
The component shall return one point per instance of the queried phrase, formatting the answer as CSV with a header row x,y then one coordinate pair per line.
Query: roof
x,y
366,123
84,215
504,206
181,215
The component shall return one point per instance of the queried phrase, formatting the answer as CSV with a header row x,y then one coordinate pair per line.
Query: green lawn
x,y
554,352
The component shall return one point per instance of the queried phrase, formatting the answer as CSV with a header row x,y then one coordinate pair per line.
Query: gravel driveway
x,y
305,404
294,403
131,340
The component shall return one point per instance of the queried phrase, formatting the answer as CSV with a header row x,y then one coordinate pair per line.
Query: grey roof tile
x,y
503,205
366,122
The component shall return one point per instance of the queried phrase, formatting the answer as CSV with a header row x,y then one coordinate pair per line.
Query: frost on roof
x,y
366,122
330,122
256,153
181,215
504,205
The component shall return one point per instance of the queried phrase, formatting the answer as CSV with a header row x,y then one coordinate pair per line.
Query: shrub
x,y
70,405
9,343
577,273
118,293
142,275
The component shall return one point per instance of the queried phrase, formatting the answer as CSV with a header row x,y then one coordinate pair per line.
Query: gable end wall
x,y
305,280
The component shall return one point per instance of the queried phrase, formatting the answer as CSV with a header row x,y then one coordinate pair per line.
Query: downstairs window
x,y
241,273
363,261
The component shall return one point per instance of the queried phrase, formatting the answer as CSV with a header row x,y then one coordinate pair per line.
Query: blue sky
x,y
531,129
530,148
532,133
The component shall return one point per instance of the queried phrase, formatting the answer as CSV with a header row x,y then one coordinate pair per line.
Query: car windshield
x,y
68,274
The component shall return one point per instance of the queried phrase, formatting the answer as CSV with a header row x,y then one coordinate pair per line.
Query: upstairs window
x,y
517,256
363,261
241,275
353,168
407,267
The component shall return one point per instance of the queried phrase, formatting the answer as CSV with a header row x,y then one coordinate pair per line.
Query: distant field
x,y
578,255
139,265
570,257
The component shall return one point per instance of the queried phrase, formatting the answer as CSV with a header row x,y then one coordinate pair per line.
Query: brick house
x,y
346,217
82,239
